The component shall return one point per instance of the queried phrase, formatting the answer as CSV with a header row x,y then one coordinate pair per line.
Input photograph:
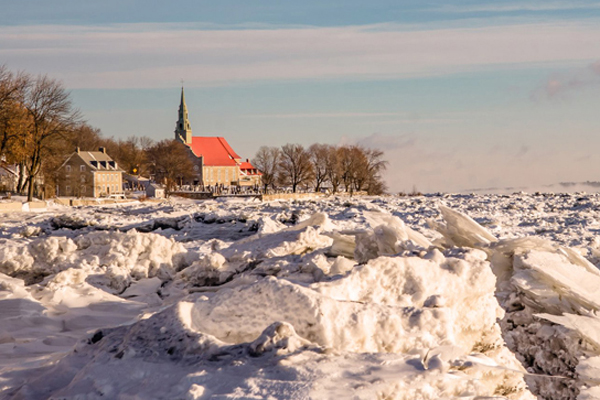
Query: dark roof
x,y
98,161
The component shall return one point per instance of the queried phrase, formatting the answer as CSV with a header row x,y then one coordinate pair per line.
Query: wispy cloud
x,y
388,142
326,115
503,7
412,121
153,56
378,118
561,85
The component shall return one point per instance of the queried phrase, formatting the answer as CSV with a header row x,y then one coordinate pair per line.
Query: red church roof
x,y
214,150
248,168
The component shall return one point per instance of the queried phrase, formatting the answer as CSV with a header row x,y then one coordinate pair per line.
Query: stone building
x,y
216,163
89,174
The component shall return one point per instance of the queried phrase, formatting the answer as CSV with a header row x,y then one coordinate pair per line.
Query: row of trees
x,y
36,120
40,128
350,168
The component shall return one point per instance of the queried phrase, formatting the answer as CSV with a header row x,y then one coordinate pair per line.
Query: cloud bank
x,y
158,55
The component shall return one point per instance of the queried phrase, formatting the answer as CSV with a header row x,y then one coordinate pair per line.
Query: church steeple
x,y
183,129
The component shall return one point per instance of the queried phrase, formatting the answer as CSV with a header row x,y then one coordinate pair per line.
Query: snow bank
x,y
109,259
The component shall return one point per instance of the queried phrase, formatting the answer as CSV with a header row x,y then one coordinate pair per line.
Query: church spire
x,y
183,129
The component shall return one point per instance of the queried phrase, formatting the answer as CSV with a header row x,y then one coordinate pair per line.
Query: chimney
x,y
77,150
102,150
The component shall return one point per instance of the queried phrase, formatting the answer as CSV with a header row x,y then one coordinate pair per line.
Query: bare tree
x,y
14,120
51,113
170,162
347,164
375,165
361,169
334,169
319,158
131,154
84,136
360,174
295,167
266,161
13,116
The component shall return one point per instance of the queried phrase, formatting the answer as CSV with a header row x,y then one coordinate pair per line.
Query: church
x,y
215,162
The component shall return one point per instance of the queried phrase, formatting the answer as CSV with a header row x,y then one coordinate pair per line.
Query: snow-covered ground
x,y
430,297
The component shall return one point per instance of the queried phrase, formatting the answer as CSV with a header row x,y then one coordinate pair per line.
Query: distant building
x,y
249,175
89,174
154,190
10,174
134,182
9,177
216,163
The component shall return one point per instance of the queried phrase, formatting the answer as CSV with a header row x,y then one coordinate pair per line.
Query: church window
x,y
68,168
82,168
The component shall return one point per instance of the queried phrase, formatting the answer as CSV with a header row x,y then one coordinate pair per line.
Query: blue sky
x,y
460,95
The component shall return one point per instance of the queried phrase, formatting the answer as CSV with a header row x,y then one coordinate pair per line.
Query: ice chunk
x,y
211,269
376,307
461,230
279,338
572,281
391,227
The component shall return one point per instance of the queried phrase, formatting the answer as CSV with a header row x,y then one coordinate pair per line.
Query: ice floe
x,y
427,297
